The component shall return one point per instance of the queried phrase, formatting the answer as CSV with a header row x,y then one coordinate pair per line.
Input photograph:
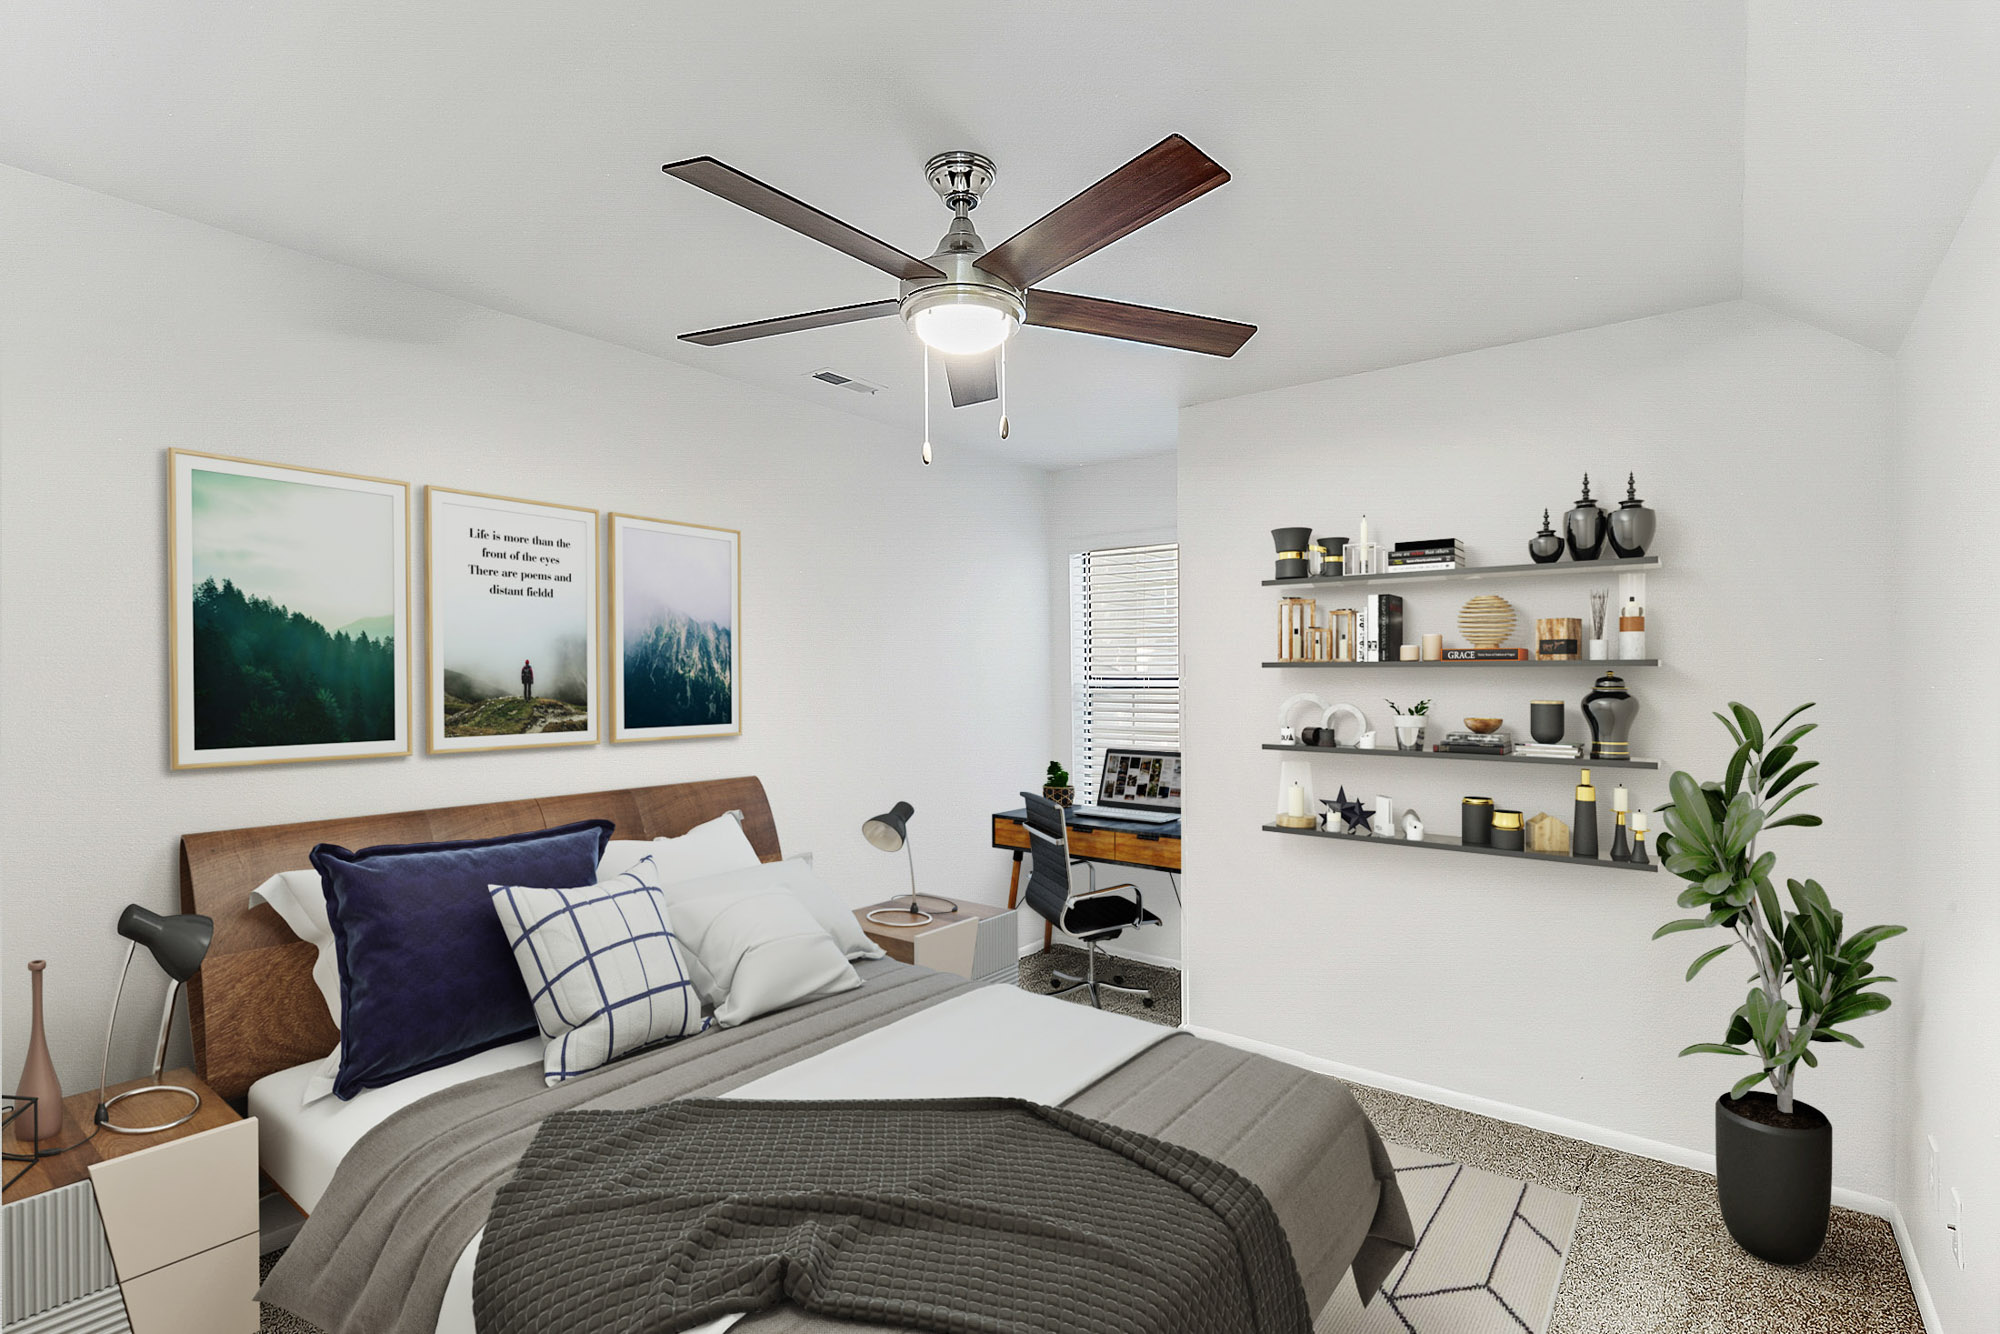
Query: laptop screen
x,y
1146,779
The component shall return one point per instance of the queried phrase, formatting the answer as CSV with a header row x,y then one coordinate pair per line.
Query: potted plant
x,y
1057,788
1773,1153
1409,723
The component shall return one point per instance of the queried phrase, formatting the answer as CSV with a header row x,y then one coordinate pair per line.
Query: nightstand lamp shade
x,y
178,944
890,831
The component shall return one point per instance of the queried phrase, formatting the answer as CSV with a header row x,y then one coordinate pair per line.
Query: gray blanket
x,y
378,1251
969,1216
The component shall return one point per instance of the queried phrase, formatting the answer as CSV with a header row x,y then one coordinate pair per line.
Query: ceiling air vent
x,y
847,382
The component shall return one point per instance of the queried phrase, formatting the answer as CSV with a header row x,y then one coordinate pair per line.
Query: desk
x,y
1152,847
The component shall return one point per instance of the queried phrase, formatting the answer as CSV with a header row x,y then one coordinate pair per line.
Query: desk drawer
x,y
1094,844
1134,850
1009,834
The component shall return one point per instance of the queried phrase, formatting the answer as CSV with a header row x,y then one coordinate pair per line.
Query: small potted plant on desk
x,y
1773,1153
1410,723
1057,788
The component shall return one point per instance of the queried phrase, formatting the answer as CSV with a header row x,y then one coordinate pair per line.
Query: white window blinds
x,y
1125,654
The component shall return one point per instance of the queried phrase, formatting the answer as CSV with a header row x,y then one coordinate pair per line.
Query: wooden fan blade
x,y
1137,324
973,379
748,192
1151,185
812,319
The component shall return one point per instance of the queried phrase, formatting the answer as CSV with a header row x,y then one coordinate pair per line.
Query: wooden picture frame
x,y
260,558
506,577
676,595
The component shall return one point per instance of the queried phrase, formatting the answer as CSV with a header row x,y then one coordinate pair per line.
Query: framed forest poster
x,y
676,617
289,607
512,595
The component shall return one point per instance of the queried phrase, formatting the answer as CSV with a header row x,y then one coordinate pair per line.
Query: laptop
x,y
1142,786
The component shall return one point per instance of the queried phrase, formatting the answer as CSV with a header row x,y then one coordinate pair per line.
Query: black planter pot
x,y
1775,1183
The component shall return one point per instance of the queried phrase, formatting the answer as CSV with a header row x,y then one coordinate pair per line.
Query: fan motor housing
x,y
964,282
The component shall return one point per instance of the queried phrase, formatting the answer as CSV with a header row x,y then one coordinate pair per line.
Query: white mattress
x,y
302,1146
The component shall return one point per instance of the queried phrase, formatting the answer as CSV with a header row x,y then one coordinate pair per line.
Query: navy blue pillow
x,y
426,975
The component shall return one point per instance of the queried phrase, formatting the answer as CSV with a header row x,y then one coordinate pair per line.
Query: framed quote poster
x,y
512,593
676,614
289,608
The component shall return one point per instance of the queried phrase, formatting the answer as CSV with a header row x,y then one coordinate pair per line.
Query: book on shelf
x,y
1380,628
1486,655
1428,544
1416,566
1541,752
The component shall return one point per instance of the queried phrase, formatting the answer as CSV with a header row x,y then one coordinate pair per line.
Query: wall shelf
x,y
1475,572
1445,843
1596,664
1390,752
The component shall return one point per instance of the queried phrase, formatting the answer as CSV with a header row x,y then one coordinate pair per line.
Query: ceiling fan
x,y
966,300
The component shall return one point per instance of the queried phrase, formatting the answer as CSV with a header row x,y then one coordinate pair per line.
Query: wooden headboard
x,y
254,1005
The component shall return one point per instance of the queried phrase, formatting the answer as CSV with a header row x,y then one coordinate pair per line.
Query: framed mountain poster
x,y
512,595
676,618
289,609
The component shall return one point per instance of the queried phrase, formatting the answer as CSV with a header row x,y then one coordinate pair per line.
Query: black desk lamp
x,y
890,831
178,944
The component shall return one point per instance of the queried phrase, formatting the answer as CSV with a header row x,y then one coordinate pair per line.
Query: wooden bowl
x,y
1483,725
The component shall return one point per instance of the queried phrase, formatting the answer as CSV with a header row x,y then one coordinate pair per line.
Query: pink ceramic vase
x,y
41,1123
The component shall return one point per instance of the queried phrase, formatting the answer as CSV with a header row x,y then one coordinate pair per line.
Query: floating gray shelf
x,y
1445,843
1389,752
1476,572
1600,664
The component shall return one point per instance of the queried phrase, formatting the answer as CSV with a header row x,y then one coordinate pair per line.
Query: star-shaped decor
x,y
1356,815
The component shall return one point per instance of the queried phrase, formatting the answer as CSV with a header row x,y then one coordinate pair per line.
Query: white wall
x,y
1763,445
895,617
1124,504
1948,378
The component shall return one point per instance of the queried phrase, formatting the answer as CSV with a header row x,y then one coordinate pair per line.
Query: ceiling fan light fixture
x,y
959,321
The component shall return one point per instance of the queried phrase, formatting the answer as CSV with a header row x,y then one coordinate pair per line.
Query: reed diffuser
x,y
1600,602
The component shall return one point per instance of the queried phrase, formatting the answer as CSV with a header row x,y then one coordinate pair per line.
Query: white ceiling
x,y
1411,180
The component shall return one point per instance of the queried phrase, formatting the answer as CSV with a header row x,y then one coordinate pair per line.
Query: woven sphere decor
x,y
1486,621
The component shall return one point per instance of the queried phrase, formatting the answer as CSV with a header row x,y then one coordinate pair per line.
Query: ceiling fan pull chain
x,y
927,404
1003,391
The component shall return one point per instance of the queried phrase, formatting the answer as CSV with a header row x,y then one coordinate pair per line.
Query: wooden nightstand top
x,y
900,940
69,1168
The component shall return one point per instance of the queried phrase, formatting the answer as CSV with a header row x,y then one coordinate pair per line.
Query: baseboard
x,y
1926,1308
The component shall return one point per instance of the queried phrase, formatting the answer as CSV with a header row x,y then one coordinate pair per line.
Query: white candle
x,y
1638,822
1364,534
1619,798
1295,801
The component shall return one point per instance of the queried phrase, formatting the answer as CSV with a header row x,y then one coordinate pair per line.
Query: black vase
x,y
1291,544
1545,721
1610,709
1545,547
1775,1183
1583,526
1631,525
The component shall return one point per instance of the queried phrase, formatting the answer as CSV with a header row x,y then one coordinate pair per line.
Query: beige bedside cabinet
x,y
164,1225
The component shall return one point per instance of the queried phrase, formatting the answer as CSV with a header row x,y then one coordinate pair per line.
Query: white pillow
x,y
297,897
797,878
602,966
707,849
759,951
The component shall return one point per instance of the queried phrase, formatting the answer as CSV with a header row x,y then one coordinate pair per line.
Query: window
x,y
1125,654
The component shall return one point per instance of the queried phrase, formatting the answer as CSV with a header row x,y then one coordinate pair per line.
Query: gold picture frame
x,y
282,540
512,585
665,570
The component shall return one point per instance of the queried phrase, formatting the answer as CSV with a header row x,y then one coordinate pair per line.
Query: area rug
x,y
1036,971
1490,1254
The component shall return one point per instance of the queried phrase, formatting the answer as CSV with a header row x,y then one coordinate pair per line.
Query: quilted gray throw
x,y
970,1216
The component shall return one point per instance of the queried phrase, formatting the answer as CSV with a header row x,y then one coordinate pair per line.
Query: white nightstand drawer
x,y
179,1199
211,1293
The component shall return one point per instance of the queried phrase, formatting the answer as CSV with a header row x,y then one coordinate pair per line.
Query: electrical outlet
x,y
1957,1226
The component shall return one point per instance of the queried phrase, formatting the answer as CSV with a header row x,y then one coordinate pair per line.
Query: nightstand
x,y
978,941
164,1224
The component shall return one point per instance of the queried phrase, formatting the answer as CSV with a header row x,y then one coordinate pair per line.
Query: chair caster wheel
x,y
1117,979
1147,1002
1054,985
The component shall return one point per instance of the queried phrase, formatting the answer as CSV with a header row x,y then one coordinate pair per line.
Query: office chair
x,y
1094,916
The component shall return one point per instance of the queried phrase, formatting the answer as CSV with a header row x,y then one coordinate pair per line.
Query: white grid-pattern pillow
x,y
602,966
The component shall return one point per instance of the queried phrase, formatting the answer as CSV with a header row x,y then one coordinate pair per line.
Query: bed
x,y
398,1181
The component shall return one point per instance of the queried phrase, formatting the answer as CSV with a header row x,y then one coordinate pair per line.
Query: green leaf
x,y
1862,943
1739,1028
1786,800
1804,821
1768,897
1734,735
1792,737
1748,1082
1791,775
1811,1060
1698,964
1753,731
1684,924
1732,781
1867,1003
1825,1034
1793,714
1713,1048
1691,805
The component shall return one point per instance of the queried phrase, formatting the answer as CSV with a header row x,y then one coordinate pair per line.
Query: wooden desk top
x,y
67,1169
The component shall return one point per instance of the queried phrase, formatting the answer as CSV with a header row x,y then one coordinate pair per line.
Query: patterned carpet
x,y
1165,983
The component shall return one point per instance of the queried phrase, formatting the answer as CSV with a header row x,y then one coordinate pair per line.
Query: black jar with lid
x,y
1475,821
1508,835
